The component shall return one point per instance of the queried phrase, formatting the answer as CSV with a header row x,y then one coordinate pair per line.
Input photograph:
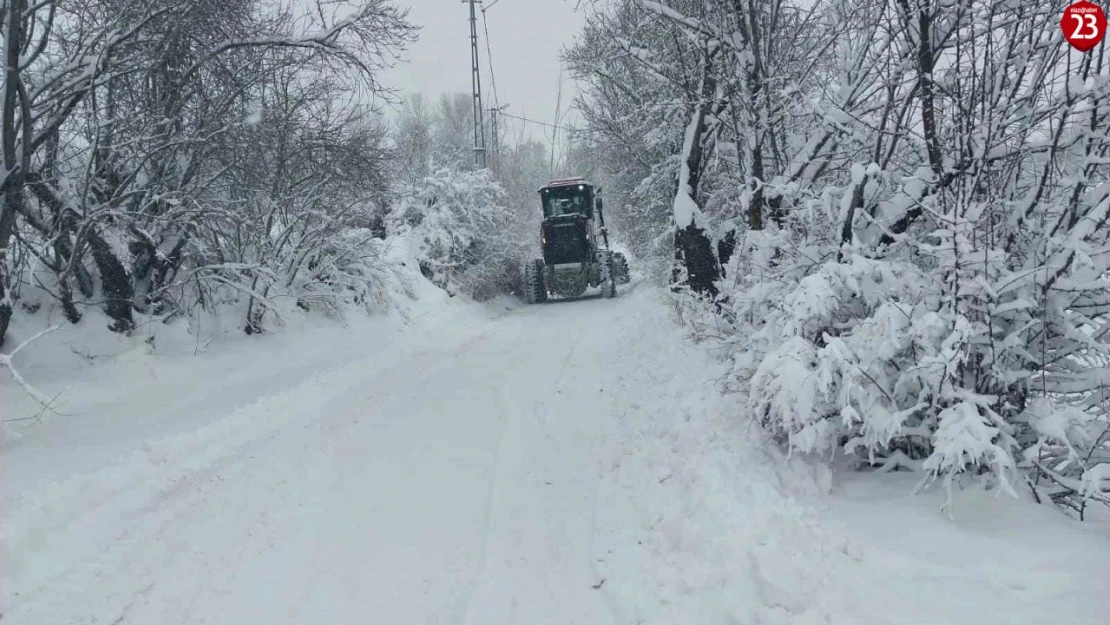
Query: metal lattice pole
x,y
476,88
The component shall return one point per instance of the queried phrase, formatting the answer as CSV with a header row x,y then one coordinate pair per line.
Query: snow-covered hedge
x,y
470,240
884,360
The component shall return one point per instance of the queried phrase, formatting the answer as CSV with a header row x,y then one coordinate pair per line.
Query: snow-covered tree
x,y
908,202
465,230
414,136
133,124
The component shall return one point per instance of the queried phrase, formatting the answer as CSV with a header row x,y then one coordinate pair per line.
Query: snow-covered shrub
x,y
469,238
350,268
925,365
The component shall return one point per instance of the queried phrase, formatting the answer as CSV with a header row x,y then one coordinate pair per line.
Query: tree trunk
x,y
693,247
115,283
254,317
165,271
13,163
725,248
925,61
7,227
70,265
854,206
68,307
694,251
748,16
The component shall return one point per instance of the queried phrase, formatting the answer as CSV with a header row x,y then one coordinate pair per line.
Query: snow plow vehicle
x,y
575,245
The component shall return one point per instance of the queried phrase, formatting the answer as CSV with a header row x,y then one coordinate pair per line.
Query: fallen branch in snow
x,y
1073,493
417,318
6,361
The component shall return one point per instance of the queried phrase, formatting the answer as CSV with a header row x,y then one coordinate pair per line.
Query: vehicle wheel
x,y
532,283
620,267
608,279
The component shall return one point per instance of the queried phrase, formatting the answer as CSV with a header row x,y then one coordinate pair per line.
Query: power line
x,y
497,108
489,55
555,126
495,139
548,124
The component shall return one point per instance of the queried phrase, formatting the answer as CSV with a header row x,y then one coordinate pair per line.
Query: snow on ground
x,y
995,543
736,533
110,390
565,463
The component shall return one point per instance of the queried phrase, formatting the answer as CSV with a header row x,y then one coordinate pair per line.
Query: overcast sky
x,y
526,37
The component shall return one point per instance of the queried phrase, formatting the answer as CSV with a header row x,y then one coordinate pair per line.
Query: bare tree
x,y
127,132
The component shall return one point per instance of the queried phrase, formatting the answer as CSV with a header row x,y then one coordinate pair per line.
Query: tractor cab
x,y
567,234
568,196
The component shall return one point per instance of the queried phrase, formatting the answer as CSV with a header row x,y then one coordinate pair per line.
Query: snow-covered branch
x,y
7,362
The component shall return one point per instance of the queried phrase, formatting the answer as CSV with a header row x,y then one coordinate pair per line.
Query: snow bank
x,y
731,531
110,393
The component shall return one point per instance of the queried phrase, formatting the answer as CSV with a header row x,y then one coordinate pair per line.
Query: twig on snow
x,y
6,361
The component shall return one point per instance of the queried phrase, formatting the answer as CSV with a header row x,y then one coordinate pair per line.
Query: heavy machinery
x,y
573,257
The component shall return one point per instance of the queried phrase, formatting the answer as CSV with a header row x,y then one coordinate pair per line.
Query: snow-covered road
x,y
453,484
531,468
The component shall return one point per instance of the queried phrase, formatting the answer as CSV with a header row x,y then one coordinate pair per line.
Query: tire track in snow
x,y
154,513
541,417
611,602
298,505
463,615
612,381
539,539
615,380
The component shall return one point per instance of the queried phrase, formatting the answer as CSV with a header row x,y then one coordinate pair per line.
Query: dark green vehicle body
x,y
574,245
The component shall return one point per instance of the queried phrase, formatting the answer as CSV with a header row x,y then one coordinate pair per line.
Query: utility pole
x,y
476,89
